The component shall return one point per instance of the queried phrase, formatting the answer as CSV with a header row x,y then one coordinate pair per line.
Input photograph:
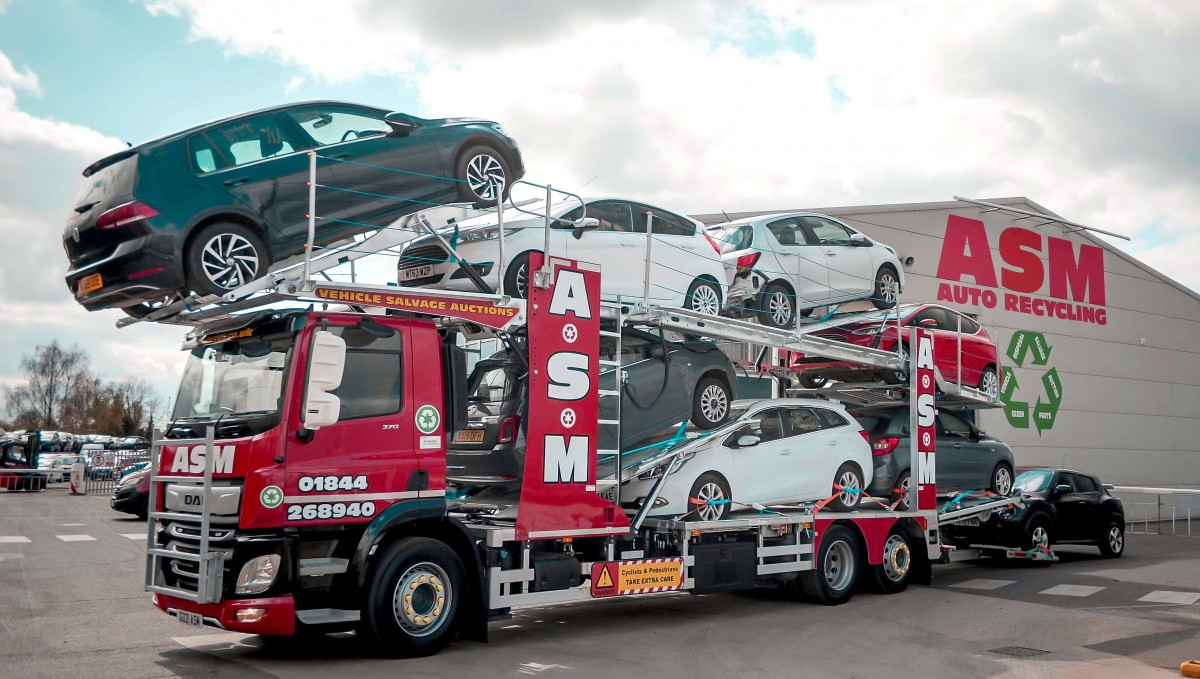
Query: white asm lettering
x,y
192,461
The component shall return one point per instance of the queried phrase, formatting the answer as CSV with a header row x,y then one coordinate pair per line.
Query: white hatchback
x,y
686,268
804,260
773,452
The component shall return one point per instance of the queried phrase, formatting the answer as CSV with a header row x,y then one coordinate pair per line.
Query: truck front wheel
x,y
413,599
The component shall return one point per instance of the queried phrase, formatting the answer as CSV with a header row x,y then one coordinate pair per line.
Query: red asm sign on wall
x,y
1075,281
558,492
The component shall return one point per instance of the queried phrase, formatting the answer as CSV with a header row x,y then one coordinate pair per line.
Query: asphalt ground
x,y
72,605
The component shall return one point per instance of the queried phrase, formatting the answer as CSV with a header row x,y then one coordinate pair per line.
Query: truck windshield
x,y
233,378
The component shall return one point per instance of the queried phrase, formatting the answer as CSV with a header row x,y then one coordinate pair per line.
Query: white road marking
x,y
134,536
75,538
1071,590
1164,596
72,524
538,668
13,538
11,555
983,583
220,639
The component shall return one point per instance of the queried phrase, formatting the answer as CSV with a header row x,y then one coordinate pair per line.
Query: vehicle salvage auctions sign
x,y
643,576
482,312
923,465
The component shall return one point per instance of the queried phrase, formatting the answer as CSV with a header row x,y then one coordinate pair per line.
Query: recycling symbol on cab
x,y
1023,345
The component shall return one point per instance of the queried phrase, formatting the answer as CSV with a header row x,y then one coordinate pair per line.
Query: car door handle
x,y
958,445
785,452
831,253
236,182
629,245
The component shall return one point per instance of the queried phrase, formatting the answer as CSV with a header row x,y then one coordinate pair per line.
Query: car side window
x,y
969,326
1084,484
938,316
788,232
1064,479
332,126
665,223
830,418
770,426
954,426
801,421
614,217
240,142
633,348
828,232
371,379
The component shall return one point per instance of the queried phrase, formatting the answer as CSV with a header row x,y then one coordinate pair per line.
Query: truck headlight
x,y
258,574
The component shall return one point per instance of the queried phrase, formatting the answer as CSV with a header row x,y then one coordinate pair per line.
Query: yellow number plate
x,y
90,283
468,436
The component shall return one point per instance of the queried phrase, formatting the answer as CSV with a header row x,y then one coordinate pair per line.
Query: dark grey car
x,y
967,458
667,380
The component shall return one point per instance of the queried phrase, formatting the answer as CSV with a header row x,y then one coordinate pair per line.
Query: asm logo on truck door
x,y
192,460
558,491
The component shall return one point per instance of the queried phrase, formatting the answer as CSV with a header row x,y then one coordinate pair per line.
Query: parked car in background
x,y
778,451
132,494
687,269
58,465
1061,506
967,457
978,356
668,380
804,260
209,208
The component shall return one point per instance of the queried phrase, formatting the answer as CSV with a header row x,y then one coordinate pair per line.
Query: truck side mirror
x,y
326,362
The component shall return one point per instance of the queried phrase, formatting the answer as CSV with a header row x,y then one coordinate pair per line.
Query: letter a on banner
x,y
558,490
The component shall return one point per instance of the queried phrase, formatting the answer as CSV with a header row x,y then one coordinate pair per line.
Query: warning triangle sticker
x,y
605,580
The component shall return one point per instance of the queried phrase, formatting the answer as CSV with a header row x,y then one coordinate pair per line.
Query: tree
x,y
53,375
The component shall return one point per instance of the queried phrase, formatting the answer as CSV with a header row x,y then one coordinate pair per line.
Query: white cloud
x,y
294,84
24,79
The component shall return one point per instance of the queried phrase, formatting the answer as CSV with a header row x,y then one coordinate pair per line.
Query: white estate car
x,y
686,265
778,451
814,258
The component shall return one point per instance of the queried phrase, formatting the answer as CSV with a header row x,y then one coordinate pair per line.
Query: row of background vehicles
x,y
138,243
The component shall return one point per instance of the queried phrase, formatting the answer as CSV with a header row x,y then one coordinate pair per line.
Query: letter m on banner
x,y
558,489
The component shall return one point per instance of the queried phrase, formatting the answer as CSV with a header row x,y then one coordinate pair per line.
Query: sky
x,y
1090,108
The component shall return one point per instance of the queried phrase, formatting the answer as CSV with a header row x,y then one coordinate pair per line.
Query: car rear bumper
x,y
278,619
135,271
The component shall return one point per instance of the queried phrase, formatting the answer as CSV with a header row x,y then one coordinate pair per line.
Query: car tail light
x,y
125,214
508,430
712,242
865,435
747,262
884,446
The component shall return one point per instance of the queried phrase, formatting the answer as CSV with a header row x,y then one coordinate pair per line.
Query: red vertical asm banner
x,y
558,491
924,416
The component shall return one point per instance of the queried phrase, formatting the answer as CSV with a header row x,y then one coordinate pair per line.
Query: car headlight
x,y
258,574
484,234
875,330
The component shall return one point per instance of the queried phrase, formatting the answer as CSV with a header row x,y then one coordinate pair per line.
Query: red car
x,y
980,367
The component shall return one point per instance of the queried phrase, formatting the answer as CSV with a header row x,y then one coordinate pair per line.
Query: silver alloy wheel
x,y
1116,539
989,383
710,492
521,280
838,567
422,594
229,261
896,558
849,479
704,299
780,308
1003,481
889,286
904,487
484,172
1040,537
714,403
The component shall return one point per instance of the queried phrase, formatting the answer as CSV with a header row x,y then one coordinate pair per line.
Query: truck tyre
x,y
835,573
710,403
1112,543
413,598
848,476
892,575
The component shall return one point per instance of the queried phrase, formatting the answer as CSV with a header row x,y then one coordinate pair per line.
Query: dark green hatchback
x,y
209,209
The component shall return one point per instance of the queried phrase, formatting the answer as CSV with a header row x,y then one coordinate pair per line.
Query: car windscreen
x,y
732,238
491,382
1033,481
106,187
872,423
233,378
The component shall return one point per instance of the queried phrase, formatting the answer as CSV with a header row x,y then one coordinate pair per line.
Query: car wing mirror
x,y
402,124
1062,489
859,240
747,441
585,224
927,323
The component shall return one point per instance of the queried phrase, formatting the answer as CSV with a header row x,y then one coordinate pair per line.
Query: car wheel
x,y
851,480
891,576
810,381
887,288
703,297
989,383
900,491
710,403
223,257
1112,543
516,277
778,307
900,375
1037,533
479,169
713,492
1002,479
836,572
413,598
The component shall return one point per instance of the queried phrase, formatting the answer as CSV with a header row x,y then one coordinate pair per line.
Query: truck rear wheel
x,y
836,570
892,575
413,599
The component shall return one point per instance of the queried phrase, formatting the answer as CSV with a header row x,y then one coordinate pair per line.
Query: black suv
x,y
210,208
967,458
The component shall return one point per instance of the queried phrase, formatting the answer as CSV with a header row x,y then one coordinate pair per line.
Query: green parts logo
x,y
428,418
271,497
1030,345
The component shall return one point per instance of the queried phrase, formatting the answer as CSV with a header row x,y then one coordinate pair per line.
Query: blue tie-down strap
x,y
960,496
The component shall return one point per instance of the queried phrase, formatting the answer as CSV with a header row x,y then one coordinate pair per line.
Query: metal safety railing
x,y
1176,514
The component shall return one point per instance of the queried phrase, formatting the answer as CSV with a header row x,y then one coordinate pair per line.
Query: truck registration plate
x,y
468,436
90,283
416,272
189,618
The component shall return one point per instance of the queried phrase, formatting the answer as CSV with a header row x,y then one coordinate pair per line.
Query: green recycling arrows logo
x,y
1031,345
